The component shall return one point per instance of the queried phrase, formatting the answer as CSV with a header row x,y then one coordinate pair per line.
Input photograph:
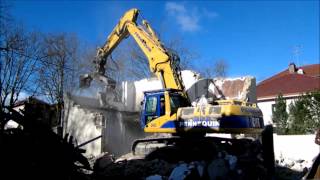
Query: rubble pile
x,y
241,159
297,165
291,169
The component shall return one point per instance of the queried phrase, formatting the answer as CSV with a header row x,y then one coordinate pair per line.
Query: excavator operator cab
x,y
160,103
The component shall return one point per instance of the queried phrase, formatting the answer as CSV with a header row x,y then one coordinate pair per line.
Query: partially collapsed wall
x,y
85,119
114,113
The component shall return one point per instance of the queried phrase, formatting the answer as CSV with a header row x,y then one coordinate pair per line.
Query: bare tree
x,y
220,68
19,57
134,62
206,72
186,54
83,63
57,73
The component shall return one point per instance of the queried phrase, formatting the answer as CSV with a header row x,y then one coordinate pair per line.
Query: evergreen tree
x,y
280,115
314,107
305,114
300,122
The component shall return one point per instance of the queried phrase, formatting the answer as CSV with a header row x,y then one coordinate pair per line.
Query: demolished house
x,y
110,122
114,114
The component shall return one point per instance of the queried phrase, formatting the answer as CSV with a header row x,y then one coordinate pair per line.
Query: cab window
x,y
177,101
151,106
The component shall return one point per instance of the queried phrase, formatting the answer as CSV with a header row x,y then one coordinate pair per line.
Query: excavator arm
x,y
162,62
116,36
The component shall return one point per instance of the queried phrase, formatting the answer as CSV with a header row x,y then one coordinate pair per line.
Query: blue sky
x,y
256,38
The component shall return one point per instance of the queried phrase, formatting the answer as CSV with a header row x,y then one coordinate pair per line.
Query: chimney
x,y
292,68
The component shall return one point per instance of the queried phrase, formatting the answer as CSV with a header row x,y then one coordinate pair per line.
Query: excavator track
x,y
190,149
154,143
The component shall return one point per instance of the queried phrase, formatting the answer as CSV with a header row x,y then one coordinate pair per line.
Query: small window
x,y
151,106
273,107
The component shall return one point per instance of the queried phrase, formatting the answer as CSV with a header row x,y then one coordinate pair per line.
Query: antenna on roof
x,y
296,54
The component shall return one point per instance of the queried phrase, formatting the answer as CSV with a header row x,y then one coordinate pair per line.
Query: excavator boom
x,y
116,36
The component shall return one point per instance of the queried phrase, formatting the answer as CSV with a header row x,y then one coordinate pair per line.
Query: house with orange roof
x,y
291,83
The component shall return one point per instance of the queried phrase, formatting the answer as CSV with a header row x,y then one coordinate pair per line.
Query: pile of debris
x,y
34,151
292,169
241,159
297,165
37,153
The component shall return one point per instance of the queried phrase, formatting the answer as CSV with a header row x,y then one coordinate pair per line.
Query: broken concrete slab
x,y
242,88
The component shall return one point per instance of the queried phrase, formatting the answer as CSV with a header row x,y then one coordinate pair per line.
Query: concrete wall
x,y
118,128
81,125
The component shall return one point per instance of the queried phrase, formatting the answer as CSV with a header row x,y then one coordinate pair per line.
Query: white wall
x,y
291,147
142,86
266,108
85,120
189,78
128,96
295,147
81,126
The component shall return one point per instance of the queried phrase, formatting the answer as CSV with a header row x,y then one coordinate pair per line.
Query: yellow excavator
x,y
178,116
169,110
